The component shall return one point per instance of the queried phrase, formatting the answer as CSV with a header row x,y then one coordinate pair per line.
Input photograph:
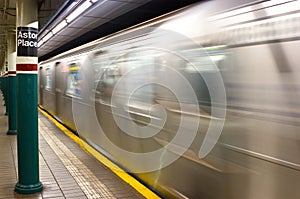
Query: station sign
x,y
27,41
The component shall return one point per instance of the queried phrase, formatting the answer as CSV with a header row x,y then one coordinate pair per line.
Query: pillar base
x,y
28,189
11,132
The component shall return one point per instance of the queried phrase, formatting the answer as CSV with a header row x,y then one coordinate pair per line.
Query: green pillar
x,y
12,115
1,86
6,100
12,95
27,112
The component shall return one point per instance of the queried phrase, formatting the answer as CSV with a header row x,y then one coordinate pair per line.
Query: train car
x,y
202,102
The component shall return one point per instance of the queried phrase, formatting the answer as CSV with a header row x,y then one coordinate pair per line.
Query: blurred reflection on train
x,y
253,45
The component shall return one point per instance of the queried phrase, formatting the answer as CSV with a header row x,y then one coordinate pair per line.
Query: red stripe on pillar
x,y
12,72
27,67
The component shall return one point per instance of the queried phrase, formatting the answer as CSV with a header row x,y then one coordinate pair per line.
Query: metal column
x,y
5,93
12,114
27,113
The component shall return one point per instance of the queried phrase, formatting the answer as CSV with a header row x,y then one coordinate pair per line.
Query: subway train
x,y
202,102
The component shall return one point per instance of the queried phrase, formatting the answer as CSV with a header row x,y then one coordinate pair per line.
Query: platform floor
x,y
66,170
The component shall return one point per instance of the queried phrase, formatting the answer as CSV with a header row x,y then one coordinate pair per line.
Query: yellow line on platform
x,y
147,193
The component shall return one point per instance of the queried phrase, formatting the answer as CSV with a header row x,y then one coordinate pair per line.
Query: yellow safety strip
x,y
147,193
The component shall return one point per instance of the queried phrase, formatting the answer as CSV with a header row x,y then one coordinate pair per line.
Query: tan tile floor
x,y
66,171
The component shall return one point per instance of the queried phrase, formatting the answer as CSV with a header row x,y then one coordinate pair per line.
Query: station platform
x,y
66,169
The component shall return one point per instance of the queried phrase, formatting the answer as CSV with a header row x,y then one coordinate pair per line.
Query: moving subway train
x,y
203,102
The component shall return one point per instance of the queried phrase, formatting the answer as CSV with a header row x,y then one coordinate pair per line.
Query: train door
x,y
58,90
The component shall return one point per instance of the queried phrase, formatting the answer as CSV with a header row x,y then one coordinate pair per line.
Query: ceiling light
x,y
40,43
47,37
60,26
78,11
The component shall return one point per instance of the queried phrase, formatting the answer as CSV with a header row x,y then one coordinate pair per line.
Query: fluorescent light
x,y
78,11
47,37
94,1
40,42
60,26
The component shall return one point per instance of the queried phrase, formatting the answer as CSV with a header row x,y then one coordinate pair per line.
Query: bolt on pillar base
x,y
28,189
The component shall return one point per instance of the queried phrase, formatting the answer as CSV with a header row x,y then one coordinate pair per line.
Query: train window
x,y
209,59
143,69
135,67
48,79
74,80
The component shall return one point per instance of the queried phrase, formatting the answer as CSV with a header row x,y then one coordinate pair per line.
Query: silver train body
x,y
127,95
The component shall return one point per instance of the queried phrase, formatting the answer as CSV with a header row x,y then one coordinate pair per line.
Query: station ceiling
x,y
7,26
102,18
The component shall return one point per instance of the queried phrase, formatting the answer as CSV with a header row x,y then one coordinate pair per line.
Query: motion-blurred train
x,y
203,102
